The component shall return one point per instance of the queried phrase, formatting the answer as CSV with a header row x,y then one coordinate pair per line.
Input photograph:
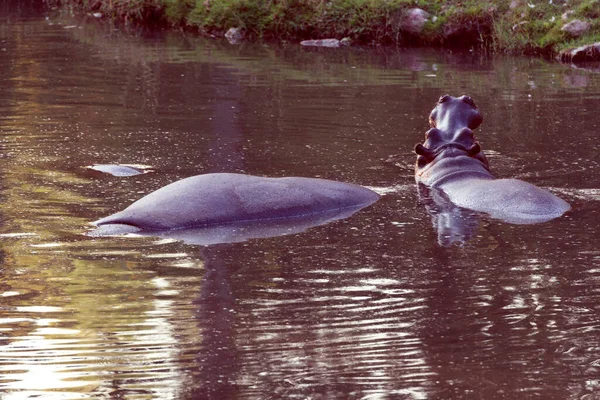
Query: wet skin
x,y
223,199
451,137
452,161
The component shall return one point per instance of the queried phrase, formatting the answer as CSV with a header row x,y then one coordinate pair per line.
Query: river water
x,y
383,305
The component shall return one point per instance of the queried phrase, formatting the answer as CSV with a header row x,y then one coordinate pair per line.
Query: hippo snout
x,y
452,113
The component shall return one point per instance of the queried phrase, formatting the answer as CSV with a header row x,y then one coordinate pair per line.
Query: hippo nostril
x,y
444,98
433,134
469,101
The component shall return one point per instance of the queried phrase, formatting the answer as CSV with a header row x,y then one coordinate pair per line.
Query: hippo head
x,y
452,122
453,113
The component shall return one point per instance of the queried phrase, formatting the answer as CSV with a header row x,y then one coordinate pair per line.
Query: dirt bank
x,y
519,27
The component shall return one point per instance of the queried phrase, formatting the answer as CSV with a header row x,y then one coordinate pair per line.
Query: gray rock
x,y
321,43
413,20
576,27
234,35
590,52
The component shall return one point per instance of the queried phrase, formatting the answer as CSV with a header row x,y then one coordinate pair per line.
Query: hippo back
x,y
223,198
510,200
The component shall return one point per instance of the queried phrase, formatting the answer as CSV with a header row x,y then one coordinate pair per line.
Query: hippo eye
x,y
443,99
469,101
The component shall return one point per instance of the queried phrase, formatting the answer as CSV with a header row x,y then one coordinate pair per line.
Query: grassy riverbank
x,y
518,26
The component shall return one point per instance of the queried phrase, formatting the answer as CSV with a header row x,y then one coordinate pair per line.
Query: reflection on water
x,y
233,232
366,307
453,224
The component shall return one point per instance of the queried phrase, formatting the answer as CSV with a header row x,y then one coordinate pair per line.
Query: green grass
x,y
532,27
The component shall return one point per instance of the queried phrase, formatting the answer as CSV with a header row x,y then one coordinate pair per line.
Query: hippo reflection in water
x,y
225,208
451,164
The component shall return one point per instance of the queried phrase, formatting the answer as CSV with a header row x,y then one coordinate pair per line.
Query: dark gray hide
x,y
118,170
222,198
452,161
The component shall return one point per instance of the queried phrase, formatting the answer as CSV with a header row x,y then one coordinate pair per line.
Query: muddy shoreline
x,y
552,28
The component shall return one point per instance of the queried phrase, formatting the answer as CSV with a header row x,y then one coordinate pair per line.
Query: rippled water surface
x,y
377,306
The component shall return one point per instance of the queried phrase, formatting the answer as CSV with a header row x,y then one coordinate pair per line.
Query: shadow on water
x,y
218,365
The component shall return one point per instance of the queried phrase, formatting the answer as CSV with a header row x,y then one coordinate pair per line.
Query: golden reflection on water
x,y
99,347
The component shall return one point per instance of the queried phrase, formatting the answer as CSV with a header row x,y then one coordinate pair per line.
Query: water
x,y
370,307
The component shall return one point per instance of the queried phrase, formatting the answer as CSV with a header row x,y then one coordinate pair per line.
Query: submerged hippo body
x,y
451,160
120,169
223,198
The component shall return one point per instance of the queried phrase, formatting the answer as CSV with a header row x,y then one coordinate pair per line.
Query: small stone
x,y
321,43
234,35
413,20
451,29
516,27
576,27
566,15
97,15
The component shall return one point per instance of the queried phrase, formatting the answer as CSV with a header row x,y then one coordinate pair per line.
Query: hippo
x,y
238,200
452,161
120,170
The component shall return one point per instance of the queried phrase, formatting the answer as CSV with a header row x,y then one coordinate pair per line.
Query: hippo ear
x,y
474,150
424,151
469,100
444,98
